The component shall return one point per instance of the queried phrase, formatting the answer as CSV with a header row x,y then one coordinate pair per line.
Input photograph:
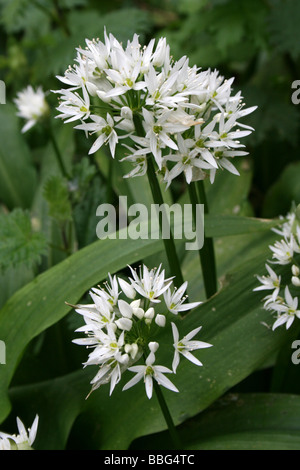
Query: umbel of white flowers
x,y
186,118
122,323
21,441
282,302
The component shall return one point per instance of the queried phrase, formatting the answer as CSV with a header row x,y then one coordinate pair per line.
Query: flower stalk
x,y
169,244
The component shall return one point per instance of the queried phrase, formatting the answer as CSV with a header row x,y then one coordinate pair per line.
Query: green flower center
x,y
149,371
200,143
106,130
157,129
129,82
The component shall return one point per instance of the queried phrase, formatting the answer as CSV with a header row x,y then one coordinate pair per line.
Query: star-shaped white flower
x,y
148,372
106,130
287,310
271,282
150,284
175,300
185,346
32,106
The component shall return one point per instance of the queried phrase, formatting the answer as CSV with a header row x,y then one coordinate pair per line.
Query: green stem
x,y
58,155
169,244
167,415
207,254
109,189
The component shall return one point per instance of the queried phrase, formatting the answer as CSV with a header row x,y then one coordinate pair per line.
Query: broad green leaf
x,y
254,421
18,178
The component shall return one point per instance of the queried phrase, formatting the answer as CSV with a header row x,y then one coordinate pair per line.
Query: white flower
x,y
271,282
283,250
4,442
32,106
185,345
21,441
158,129
186,161
109,372
72,106
150,284
287,311
111,294
175,301
106,130
148,372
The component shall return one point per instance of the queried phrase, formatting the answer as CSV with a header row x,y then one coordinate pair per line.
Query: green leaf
x,y
57,195
18,242
254,421
283,192
18,178
283,24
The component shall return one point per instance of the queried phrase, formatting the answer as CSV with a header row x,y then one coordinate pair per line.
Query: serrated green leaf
x,y
18,242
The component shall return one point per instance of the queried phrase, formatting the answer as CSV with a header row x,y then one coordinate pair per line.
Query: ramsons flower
x,y
123,325
185,346
22,441
282,303
183,114
148,373
32,106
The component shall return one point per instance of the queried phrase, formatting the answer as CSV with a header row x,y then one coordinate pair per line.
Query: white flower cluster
x,y
21,441
121,331
32,106
282,302
186,118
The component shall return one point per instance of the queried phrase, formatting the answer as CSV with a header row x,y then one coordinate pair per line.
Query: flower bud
x,y
128,290
135,303
153,346
149,314
138,312
160,320
125,309
124,324
126,112
295,270
296,281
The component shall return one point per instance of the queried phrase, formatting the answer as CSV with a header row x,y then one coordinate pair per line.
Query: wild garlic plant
x,y
283,301
186,119
171,118
121,327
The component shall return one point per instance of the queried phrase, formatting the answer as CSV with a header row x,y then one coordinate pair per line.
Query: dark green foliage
x,y
19,243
